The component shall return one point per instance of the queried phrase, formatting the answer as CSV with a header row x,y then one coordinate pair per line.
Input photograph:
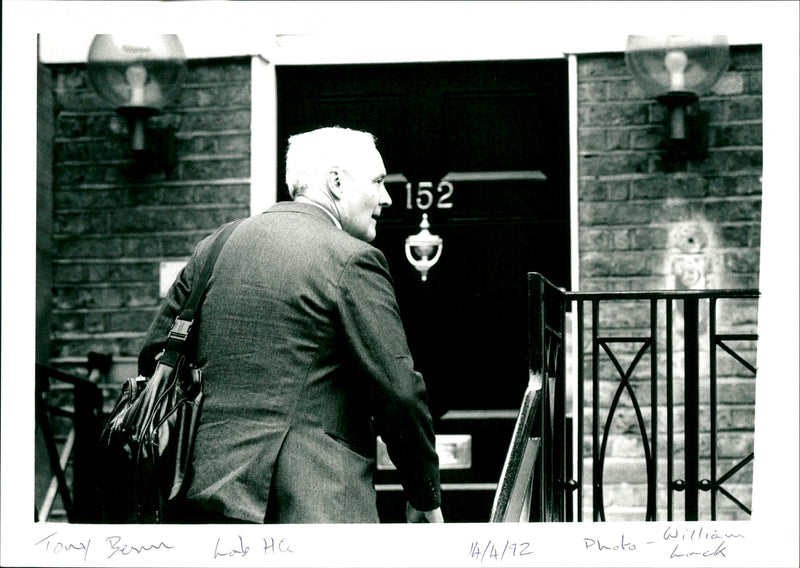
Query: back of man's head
x,y
311,155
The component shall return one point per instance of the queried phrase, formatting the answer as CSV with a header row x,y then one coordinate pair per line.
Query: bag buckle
x,y
180,329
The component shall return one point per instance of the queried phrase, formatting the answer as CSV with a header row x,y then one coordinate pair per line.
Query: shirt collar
x,y
304,199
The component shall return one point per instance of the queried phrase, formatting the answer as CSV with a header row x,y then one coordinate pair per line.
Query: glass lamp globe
x,y
664,65
676,70
139,75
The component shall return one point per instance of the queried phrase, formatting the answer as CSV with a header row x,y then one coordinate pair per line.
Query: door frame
x,y
264,128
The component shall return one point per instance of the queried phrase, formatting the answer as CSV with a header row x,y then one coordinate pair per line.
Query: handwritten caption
x,y
238,548
498,551
673,542
112,547
676,542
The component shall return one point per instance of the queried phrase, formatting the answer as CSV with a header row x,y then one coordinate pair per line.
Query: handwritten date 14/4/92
x,y
498,550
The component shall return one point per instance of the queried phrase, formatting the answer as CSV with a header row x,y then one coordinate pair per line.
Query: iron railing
x,y
73,466
536,478
538,482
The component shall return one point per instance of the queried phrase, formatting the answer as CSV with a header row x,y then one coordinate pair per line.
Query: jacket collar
x,y
305,208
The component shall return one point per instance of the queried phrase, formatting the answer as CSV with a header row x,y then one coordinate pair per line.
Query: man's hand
x,y
416,516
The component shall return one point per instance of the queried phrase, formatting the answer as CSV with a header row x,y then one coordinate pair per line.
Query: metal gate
x,y
538,482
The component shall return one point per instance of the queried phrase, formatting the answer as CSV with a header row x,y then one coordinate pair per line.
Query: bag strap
x,y
187,313
183,323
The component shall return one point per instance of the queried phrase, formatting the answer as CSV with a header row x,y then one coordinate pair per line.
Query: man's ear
x,y
334,183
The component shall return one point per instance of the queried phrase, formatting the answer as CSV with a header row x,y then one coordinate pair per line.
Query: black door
x,y
482,149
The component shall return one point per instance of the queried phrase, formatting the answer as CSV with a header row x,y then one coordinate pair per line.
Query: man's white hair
x,y
311,155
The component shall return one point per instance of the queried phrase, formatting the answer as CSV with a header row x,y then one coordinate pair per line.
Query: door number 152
x,y
424,196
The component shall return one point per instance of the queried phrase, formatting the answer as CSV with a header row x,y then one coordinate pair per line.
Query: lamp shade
x,y
665,65
136,73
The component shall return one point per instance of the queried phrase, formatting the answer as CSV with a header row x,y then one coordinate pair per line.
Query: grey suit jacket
x,y
305,360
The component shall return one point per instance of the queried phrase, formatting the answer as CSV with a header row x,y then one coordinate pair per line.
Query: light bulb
x,y
136,75
675,62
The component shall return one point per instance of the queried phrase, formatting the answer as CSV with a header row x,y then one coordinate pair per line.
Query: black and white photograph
x,y
293,278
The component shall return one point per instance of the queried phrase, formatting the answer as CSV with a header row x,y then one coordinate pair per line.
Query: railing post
x,y
691,387
597,488
563,433
537,361
579,407
536,326
652,474
88,424
42,420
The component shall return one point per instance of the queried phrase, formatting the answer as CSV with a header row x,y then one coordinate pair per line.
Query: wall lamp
x,y
138,75
676,70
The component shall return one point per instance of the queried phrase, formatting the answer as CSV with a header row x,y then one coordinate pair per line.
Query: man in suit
x,y
304,356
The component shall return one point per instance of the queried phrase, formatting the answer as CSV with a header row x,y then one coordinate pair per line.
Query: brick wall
x,y
115,221
44,209
648,221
